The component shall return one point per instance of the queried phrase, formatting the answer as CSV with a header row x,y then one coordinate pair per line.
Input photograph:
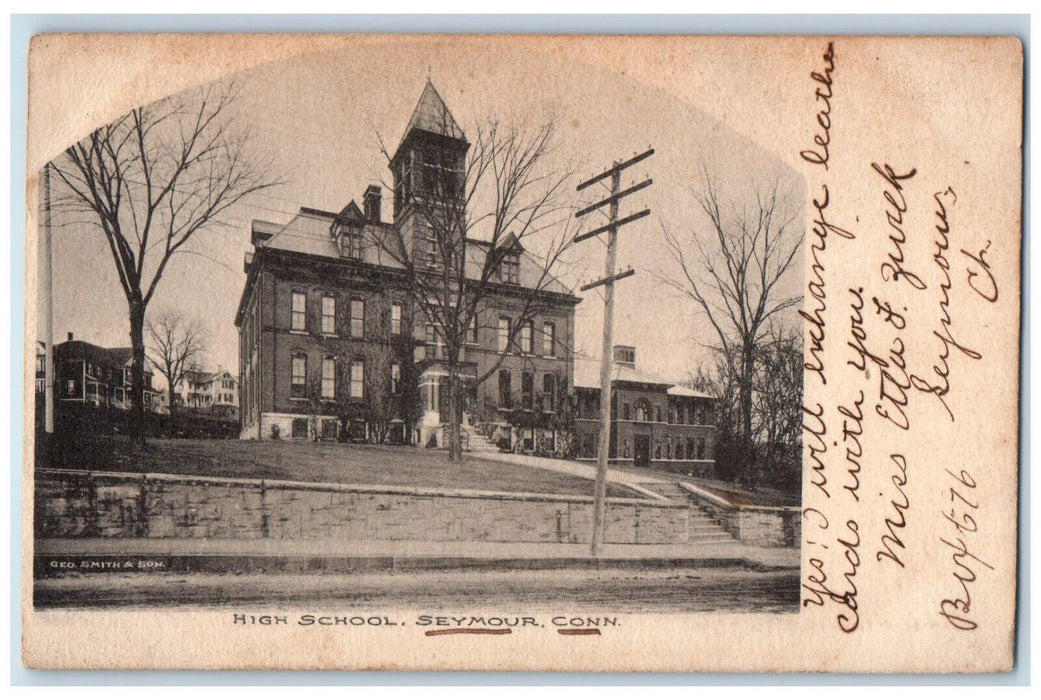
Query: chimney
x,y
625,355
70,335
372,200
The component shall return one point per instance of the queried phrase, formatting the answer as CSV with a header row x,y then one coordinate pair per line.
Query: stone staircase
x,y
702,528
479,443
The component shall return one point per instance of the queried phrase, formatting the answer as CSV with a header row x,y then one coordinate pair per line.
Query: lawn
x,y
318,462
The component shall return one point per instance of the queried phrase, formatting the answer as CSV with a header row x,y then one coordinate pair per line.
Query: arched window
x,y
643,411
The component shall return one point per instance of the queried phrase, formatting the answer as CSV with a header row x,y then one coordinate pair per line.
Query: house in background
x,y
327,328
654,423
90,374
214,394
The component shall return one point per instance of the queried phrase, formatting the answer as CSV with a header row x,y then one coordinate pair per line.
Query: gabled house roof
x,y
351,212
112,357
199,376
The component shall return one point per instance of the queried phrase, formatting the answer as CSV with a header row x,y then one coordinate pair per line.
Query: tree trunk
x,y
747,367
455,415
137,371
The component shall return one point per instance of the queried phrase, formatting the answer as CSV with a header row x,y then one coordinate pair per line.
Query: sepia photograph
x,y
370,324
521,353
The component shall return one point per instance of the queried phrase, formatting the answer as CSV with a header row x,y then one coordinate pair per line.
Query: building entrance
x,y
642,450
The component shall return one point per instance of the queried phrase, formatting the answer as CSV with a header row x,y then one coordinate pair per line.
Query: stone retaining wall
x,y
768,527
755,525
100,504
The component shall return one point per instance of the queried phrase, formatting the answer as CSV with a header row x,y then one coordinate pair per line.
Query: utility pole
x,y
607,281
48,307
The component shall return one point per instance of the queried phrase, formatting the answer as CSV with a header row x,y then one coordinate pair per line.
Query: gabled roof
x,y
120,356
431,114
511,242
351,212
81,349
201,376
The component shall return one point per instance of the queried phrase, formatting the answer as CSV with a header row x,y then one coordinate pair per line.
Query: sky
x,y
318,118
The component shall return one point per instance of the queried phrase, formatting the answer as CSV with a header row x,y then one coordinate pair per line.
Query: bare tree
x,y
777,398
776,406
731,264
150,181
175,347
475,207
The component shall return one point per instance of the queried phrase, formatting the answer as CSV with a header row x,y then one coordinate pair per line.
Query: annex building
x,y
654,423
331,344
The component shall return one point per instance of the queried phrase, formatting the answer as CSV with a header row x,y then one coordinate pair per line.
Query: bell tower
x,y
429,167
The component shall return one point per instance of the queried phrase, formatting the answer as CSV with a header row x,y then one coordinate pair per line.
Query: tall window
x,y
435,345
329,315
527,390
625,411
471,332
357,317
352,242
525,339
509,268
701,448
505,388
395,378
299,310
357,379
504,333
328,378
549,392
549,334
658,414
298,387
395,319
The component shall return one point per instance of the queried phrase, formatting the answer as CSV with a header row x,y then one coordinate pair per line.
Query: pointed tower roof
x,y
431,114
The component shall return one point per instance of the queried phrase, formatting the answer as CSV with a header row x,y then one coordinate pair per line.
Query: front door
x,y
642,450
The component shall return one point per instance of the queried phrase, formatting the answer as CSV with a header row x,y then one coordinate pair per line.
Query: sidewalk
x,y
55,556
564,466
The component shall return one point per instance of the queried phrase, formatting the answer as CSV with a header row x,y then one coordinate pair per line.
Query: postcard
x,y
583,353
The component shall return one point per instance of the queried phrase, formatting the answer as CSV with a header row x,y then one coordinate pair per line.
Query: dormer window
x,y
350,242
509,268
